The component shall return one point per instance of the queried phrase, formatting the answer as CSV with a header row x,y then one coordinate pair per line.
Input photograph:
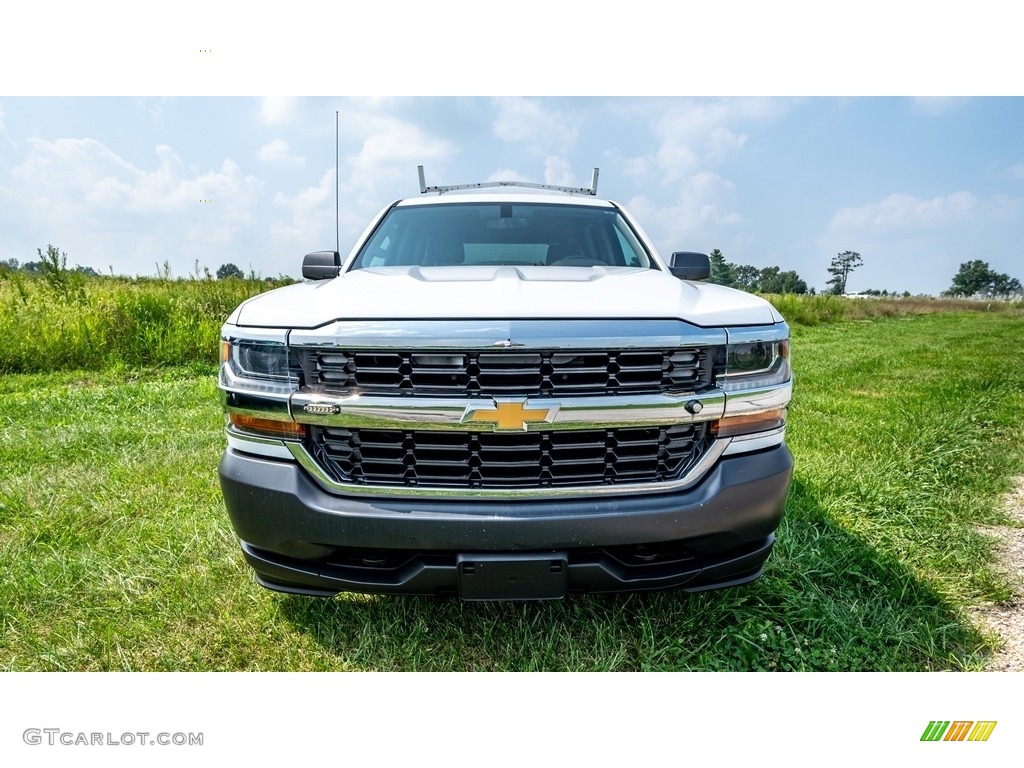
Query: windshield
x,y
513,234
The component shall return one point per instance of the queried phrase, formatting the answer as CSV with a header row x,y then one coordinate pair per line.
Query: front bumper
x,y
300,539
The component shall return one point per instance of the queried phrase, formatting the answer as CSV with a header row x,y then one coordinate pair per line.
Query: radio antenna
x,y
337,189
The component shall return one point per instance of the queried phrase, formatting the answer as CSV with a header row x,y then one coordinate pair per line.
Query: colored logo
x,y
958,730
508,415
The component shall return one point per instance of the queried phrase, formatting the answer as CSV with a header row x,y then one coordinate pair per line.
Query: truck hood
x,y
502,292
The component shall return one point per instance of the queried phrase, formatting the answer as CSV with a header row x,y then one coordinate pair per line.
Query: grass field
x,y
69,322
117,553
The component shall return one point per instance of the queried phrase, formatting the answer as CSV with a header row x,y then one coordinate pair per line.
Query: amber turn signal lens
x,y
749,423
267,427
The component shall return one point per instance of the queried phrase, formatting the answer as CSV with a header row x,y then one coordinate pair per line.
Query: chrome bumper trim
x,y
755,442
434,413
259,446
453,413
744,401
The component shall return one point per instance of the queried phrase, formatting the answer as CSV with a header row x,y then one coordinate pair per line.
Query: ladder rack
x,y
591,190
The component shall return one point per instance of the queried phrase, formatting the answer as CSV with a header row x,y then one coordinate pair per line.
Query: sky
x,y
915,185
779,143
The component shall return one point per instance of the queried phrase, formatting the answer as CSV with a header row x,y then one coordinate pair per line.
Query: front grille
x,y
508,460
551,372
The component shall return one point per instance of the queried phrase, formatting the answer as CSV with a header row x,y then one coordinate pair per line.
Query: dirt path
x,y
1008,621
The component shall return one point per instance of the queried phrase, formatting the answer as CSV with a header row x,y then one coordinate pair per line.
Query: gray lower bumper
x,y
292,531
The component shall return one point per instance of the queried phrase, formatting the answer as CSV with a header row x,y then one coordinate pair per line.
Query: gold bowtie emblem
x,y
508,415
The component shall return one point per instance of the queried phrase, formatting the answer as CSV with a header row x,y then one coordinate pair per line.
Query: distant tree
x,y
87,271
746,277
225,271
1004,285
792,282
11,264
768,280
774,280
976,278
721,270
973,278
840,269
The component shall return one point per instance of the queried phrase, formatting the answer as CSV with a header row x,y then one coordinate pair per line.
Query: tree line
x,y
53,265
756,280
974,278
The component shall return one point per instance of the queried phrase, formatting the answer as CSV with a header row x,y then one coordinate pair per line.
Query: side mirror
x,y
687,265
321,265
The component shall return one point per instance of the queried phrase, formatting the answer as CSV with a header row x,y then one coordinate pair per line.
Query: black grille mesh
x,y
506,459
553,372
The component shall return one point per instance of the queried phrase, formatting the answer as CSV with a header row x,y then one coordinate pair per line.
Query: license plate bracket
x,y
513,576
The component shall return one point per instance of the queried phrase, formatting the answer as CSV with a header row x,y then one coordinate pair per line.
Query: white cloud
x,y
696,220
701,134
96,201
310,225
83,174
154,107
508,174
3,132
385,165
1017,172
558,172
636,166
901,211
937,105
277,109
394,142
525,120
278,152
382,168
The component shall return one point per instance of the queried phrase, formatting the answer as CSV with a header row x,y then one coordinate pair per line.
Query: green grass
x,y
64,321
99,323
118,555
822,309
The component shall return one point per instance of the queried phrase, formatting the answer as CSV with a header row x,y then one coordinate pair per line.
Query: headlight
x,y
259,366
756,364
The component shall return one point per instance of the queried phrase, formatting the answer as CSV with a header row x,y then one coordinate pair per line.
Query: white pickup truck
x,y
504,392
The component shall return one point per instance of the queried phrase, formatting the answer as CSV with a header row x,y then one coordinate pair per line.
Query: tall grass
x,y
822,309
66,321
107,322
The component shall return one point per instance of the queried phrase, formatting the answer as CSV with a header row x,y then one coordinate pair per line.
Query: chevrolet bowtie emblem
x,y
508,415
